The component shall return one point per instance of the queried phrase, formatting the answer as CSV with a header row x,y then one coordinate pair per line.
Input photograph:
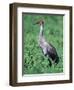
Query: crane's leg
x,y
52,63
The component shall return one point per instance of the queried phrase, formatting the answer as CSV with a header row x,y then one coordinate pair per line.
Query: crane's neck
x,y
41,30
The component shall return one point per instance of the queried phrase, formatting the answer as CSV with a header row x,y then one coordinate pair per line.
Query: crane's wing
x,y
51,51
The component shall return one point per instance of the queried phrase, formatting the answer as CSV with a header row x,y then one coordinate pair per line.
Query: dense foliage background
x,y
34,60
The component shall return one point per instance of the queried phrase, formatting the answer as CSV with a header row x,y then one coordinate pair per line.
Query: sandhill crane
x,y
46,47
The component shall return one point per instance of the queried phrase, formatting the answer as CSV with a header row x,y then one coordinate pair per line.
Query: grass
x,y
34,60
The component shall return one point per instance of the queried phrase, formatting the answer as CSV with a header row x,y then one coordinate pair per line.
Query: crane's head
x,y
40,22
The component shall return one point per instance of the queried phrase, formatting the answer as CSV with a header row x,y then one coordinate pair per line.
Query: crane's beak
x,y
39,22
36,23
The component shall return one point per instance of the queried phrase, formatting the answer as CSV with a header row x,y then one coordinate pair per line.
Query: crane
x,y
47,49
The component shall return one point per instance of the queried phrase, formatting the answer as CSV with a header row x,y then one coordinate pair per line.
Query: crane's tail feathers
x,y
57,60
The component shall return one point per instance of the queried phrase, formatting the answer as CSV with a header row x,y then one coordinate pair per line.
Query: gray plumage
x,y
46,47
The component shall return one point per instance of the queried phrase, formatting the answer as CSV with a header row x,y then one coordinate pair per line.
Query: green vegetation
x,y
34,60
